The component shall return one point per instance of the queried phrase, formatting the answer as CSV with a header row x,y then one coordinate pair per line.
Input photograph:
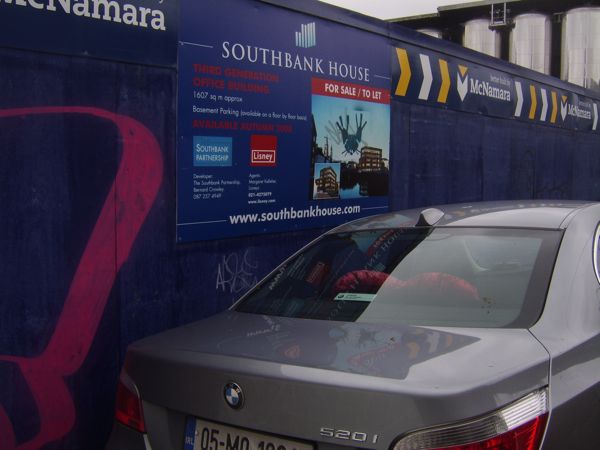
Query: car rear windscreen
x,y
468,277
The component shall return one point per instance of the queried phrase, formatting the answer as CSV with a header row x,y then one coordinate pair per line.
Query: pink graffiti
x,y
131,196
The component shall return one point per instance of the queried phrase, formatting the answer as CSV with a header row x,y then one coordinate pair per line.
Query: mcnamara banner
x,y
421,76
284,121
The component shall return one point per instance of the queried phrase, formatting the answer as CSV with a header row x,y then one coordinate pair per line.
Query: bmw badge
x,y
234,395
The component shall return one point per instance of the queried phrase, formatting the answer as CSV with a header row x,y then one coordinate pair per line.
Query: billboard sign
x,y
284,121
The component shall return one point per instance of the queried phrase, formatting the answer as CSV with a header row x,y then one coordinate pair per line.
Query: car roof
x,y
551,214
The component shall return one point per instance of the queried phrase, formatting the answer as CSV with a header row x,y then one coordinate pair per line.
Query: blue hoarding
x,y
283,121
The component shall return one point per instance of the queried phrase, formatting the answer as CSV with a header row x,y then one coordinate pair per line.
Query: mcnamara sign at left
x,y
108,10
132,30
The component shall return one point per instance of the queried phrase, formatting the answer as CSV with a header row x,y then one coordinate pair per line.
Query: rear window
x,y
468,277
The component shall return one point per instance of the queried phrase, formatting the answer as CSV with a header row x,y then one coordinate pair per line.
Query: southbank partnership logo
x,y
307,36
263,150
213,151
462,82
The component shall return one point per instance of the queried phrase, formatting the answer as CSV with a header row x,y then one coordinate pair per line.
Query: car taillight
x,y
129,406
518,426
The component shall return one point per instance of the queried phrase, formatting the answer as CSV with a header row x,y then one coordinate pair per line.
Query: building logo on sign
x,y
307,36
263,151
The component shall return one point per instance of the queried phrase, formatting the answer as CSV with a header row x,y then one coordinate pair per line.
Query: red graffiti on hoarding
x,y
131,196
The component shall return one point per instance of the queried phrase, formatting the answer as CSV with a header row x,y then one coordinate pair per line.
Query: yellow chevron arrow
x,y
405,72
554,107
533,102
445,87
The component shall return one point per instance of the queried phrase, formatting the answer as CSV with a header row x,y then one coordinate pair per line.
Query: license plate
x,y
204,435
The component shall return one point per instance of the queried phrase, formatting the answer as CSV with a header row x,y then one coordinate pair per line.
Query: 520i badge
x,y
234,395
347,435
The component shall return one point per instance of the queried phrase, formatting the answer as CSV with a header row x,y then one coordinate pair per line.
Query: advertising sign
x,y
426,77
284,121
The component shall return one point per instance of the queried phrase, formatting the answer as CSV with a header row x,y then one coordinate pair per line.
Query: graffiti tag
x,y
236,273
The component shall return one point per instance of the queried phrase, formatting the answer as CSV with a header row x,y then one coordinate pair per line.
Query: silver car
x,y
459,327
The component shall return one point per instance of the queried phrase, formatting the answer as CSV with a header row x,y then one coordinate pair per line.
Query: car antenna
x,y
429,217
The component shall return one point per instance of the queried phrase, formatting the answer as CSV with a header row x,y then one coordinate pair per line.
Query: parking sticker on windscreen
x,y
354,297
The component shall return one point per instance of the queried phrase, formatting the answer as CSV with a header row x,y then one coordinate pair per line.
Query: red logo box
x,y
263,150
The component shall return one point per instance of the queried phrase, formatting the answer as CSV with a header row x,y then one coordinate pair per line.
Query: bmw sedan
x,y
461,327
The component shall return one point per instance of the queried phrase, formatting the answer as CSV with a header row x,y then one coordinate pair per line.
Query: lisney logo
x,y
462,82
263,150
307,36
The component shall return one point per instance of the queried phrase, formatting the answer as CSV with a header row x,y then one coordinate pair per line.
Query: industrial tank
x,y
580,62
530,42
478,36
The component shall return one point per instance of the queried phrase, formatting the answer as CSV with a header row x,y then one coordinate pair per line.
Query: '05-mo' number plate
x,y
203,435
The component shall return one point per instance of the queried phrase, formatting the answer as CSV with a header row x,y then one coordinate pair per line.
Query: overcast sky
x,y
393,9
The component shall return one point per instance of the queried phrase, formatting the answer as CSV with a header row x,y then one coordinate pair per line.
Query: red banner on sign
x,y
332,88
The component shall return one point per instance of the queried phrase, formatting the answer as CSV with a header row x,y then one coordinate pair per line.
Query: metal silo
x,y
580,63
478,36
431,32
530,42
